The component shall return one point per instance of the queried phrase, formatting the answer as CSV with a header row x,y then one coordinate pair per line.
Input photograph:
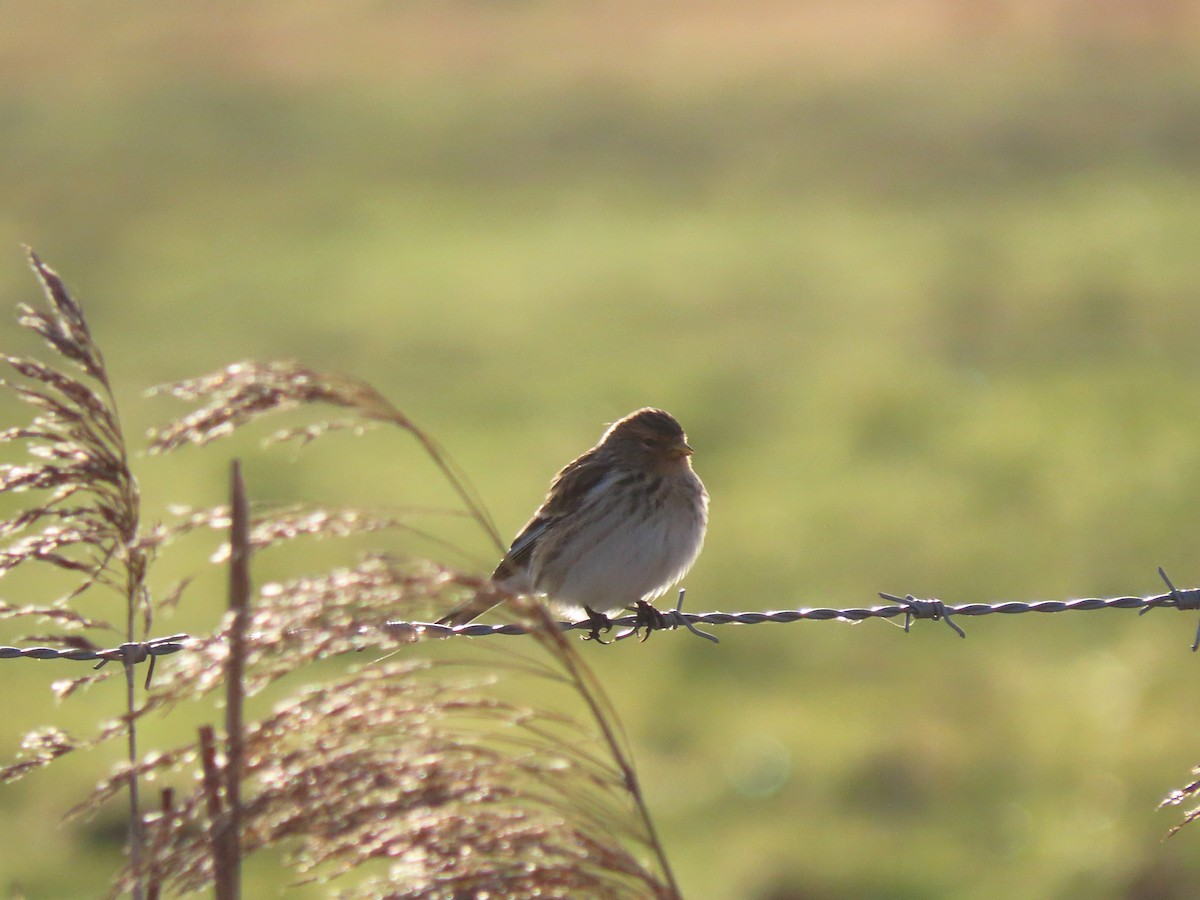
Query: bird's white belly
x,y
640,558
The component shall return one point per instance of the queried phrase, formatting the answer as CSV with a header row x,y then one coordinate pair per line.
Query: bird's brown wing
x,y
568,491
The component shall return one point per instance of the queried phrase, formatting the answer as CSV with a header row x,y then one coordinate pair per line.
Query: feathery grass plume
x,y
458,792
38,749
243,392
88,506
414,769
1189,793
415,764
85,518
273,525
306,619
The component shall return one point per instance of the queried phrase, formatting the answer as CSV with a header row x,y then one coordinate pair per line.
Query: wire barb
x,y
916,608
1184,599
676,617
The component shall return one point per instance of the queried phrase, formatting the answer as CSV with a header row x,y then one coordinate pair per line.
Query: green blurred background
x,y
921,280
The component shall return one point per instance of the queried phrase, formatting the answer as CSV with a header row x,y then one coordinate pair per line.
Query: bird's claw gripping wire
x,y
648,617
644,616
598,622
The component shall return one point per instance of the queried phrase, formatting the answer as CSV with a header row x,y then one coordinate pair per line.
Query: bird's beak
x,y
684,449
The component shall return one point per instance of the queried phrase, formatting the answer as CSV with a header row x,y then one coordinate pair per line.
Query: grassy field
x,y
922,289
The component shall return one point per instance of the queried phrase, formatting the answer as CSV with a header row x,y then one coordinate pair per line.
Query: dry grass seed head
x,y
400,764
77,446
245,391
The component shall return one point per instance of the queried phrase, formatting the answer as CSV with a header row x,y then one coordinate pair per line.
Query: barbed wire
x,y
131,652
910,607
637,624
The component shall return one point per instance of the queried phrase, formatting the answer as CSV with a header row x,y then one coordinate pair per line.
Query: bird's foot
x,y
646,616
598,622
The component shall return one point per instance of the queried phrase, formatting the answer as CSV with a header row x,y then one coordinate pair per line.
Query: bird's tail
x,y
499,589
470,610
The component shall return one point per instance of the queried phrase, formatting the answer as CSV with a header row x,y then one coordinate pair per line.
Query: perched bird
x,y
620,524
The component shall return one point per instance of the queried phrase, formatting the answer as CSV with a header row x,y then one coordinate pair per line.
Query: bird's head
x,y
649,439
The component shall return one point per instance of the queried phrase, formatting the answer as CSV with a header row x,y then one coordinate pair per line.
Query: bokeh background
x,y
921,280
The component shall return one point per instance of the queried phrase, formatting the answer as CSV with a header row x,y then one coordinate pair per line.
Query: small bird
x,y
619,526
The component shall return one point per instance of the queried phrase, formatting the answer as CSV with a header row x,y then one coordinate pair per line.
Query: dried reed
x,y
414,774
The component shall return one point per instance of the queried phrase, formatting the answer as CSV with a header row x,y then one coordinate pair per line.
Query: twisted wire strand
x,y
636,625
908,606
132,652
